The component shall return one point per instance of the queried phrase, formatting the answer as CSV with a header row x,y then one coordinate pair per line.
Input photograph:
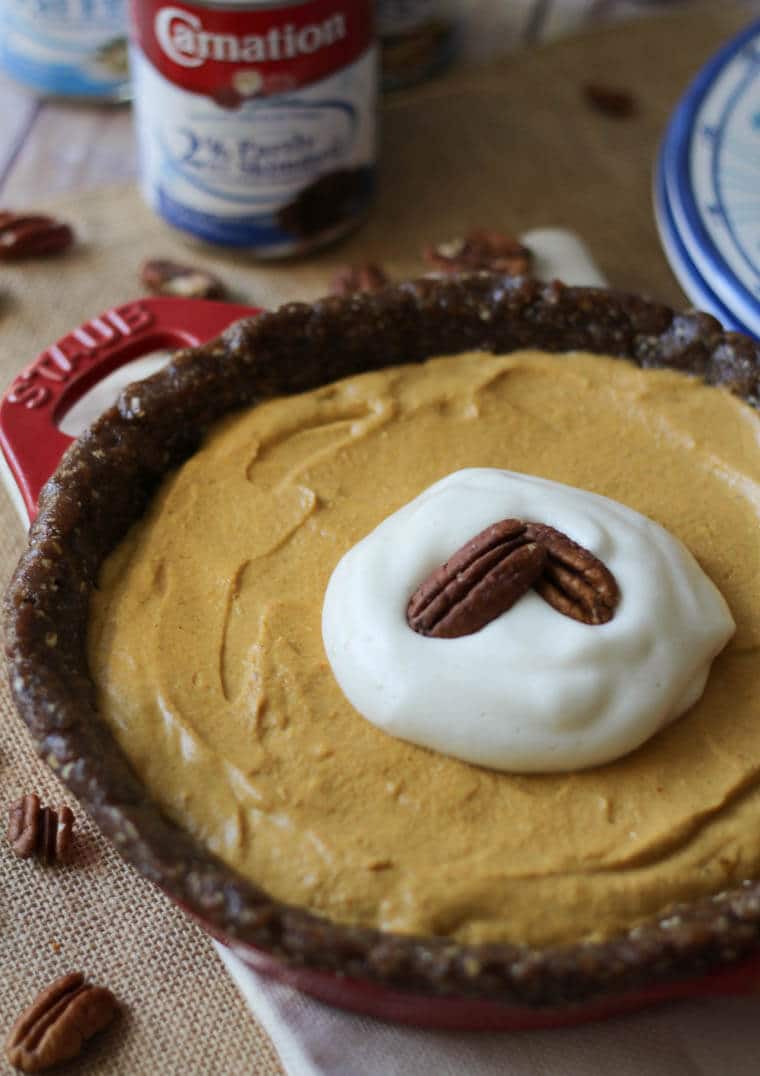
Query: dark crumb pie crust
x,y
104,484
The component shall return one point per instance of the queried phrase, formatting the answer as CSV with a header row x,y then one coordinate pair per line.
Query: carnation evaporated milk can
x,y
66,48
256,121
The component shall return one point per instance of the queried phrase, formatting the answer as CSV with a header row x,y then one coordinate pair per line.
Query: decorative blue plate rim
x,y
684,269
675,160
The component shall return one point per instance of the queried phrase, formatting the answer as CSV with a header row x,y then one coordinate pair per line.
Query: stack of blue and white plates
x,y
707,186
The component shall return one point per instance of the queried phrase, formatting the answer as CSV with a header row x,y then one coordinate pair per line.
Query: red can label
x,y
287,47
256,122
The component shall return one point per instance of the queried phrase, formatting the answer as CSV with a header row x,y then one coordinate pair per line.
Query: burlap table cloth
x,y
512,146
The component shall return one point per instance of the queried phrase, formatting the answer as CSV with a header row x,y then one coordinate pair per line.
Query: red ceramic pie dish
x,y
102,483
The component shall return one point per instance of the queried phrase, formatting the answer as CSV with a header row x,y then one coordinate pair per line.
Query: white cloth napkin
x,y
704,1038
701,1038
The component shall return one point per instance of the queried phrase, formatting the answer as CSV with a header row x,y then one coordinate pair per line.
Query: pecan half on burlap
x,y
32,235
56,1025
166,277
481,249
354,279
611,101
44,832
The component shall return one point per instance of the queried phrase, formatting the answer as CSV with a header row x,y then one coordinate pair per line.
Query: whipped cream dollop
x,y
533,691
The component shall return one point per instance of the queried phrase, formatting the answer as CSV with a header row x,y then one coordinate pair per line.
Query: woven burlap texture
x,y
462,152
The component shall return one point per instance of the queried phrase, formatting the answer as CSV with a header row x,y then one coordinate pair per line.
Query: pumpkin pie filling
x,y
206,649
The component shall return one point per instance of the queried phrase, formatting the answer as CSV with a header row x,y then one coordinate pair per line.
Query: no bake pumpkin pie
x,y
190,702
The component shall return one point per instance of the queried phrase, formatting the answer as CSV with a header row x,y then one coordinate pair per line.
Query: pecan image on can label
x,y
327,201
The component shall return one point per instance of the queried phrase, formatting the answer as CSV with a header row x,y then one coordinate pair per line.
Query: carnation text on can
x,y
256,121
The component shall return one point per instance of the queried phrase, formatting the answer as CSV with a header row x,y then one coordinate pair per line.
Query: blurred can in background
x,y
66,48
418,39
256,120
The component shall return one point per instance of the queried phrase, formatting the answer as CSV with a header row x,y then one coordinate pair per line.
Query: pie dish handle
x,y
31,442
